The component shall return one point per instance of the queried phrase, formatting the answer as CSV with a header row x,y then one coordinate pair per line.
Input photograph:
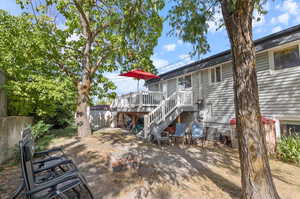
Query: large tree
x,y
86,38
190,20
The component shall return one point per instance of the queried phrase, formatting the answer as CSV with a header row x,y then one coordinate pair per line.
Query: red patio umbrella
x,y
140,74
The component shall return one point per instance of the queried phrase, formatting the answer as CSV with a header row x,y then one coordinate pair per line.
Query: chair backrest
x,y
25,133
27,152
197,130
180,129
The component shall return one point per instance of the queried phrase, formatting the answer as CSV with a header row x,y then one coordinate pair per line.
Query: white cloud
x,y
170,47
290,6
276,29
158,63
259,30
281,19
289,9
284,18
185,59
124,88
179,41
273,20
184,56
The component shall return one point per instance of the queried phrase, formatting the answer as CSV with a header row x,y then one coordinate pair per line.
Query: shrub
x,y
289,149
40,129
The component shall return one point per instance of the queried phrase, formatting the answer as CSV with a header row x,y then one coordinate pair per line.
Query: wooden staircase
x,y
167,111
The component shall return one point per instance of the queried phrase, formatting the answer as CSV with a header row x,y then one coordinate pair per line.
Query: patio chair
x,y
180,131
53,159
54,187
46,158
197,132
157,136
53,152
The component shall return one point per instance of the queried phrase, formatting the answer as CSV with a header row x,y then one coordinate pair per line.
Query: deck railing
x,y
142,98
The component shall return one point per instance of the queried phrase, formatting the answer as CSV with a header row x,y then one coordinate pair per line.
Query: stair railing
x,y
166,107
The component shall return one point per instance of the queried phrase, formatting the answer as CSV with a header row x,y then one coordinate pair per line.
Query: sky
x,y
171,52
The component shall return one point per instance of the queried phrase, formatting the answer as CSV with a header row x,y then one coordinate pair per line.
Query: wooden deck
x,y
144,101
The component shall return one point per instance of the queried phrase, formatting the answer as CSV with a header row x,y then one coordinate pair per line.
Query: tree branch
x,y
84,19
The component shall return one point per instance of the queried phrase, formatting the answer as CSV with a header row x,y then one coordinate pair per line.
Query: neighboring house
x,y
100,116
205,88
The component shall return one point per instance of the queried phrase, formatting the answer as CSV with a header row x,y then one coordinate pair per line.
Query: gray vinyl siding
x,y
279,92
195,84
171,86
220,95
153,87
226,71
204,82
262,62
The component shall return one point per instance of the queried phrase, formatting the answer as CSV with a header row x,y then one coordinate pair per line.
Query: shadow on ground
x,y
168,172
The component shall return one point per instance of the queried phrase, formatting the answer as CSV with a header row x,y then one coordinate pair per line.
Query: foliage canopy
x,y
33,86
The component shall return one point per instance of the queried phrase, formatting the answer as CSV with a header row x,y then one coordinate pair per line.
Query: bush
x,y
40,129
289,149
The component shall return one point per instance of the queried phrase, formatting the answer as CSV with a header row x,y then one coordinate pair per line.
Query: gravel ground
x,y
168,172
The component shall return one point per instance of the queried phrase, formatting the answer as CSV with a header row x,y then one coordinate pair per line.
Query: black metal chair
x,y
54,152
54,160
52,187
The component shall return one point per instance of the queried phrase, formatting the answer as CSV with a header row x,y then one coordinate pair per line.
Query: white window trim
x,y
279,48
184,75
215,74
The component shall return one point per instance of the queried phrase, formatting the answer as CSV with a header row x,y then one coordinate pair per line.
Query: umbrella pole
x,y
138,90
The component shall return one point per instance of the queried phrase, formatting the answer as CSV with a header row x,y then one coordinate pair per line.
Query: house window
x,y
286,58
185,82
216,74
288,129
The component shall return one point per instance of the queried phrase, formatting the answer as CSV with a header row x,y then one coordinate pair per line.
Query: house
x,y
204,89
99,116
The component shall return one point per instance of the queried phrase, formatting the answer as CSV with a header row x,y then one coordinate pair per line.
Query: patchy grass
x,y
43,142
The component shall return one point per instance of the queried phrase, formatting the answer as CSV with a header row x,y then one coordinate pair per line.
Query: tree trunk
x,y
257,182
82,120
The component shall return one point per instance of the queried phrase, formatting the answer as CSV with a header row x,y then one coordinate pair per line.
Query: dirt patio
x,y
168,172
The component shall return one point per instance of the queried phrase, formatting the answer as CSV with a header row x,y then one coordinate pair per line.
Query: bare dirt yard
x,y
168,172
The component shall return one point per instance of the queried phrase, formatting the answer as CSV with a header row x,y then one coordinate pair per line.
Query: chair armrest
x,y
53,183
48,159
47,152
63,162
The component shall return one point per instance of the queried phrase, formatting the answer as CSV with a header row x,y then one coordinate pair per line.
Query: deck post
x,y
163,109
140,98
146,126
